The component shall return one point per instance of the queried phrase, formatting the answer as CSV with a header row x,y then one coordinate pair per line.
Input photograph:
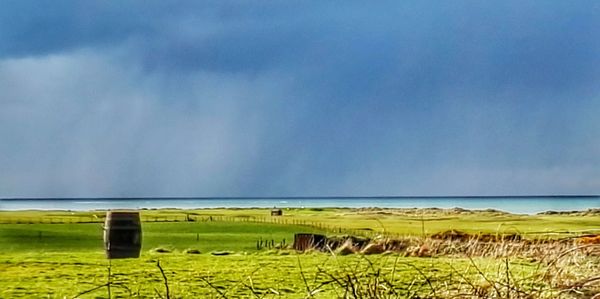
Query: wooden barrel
x,y
122,234
303,241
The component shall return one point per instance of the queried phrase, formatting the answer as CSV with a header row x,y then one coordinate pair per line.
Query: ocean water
x,y
513,204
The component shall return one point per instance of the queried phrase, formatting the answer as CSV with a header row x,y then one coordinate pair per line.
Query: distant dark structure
x,y
122,234
303,241
276,212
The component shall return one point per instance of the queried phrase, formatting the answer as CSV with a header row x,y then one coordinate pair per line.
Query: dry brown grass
x,y
568,268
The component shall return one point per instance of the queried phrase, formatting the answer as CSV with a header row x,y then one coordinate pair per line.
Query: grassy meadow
x,y
59,254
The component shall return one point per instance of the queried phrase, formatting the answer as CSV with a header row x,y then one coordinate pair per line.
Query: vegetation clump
x,y
162,250
221,253
192,251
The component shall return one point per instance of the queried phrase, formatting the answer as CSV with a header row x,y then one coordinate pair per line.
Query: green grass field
x,y
205,236
51,260
398,222
59,275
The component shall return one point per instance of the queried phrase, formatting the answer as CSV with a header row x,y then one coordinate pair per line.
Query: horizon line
x,y
300,197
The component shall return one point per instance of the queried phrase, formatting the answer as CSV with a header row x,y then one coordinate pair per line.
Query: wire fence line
x,y
281,220
309,224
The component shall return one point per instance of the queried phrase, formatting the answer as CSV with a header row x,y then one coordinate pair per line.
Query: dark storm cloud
x,y
281,98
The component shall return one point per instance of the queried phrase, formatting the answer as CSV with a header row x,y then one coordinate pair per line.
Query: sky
x,y
299,98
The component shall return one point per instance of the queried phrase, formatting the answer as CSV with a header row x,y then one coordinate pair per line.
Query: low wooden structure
x,y
304,241
122,234
276,212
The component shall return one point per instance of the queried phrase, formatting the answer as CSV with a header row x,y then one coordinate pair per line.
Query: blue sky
x,y
281,98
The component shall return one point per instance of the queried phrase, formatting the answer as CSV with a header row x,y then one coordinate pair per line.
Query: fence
x,y
320,226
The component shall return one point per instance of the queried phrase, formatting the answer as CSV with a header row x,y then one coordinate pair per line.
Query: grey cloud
x,y
232,98
85,126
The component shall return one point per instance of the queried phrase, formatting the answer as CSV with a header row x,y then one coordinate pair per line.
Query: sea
x,y
511,204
